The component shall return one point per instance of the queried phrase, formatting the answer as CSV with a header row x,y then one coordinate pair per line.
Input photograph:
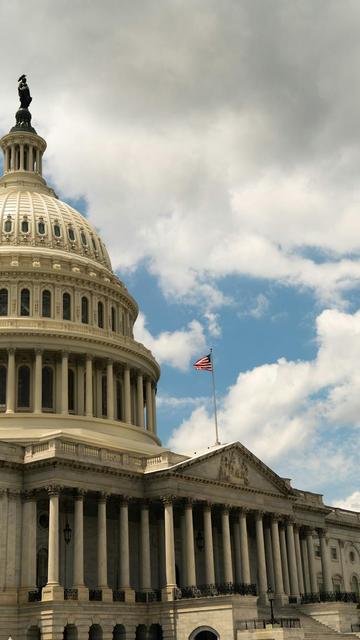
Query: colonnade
x,y
99,388
293,571
22,157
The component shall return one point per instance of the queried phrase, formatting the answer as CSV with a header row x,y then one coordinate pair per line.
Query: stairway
x,y
313,630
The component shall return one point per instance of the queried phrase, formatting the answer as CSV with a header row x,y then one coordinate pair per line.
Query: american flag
x,y
204,363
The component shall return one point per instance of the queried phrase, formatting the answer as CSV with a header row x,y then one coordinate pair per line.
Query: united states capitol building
x,y
104,533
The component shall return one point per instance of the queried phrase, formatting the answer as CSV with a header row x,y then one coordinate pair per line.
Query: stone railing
x,y
284,623
209,590
148,596
329,596
34,595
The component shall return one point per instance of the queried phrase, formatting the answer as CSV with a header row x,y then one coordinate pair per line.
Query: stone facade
x,y
105,534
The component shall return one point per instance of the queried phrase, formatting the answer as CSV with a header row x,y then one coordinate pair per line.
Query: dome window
x,y
100,315
94,244
57,231
4,298
352,556
66,306
113,319
25,302
71,234
83,238
41,228
8,225
47,392
84,310
25,226
46,304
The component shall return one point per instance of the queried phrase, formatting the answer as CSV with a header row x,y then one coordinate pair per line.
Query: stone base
x,y
129,595
263,600
83,593
53,592
281,599
168,593
107,594
271,633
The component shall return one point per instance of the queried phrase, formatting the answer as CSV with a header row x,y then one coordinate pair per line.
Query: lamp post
x,y
271,596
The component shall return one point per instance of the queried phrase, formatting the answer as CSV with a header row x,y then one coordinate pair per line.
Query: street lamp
x,y
271,597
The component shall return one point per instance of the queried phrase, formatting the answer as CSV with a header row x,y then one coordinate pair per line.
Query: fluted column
x,y
124,545
37,151
189,545
64,382
28,544
209,546
38,381
89,387
110,389
227,559
127,395
53,590
284,560
80,388
279,584
149,409
102,578
311,560
260,548
21,157
7,159
325,561
78,562
140,400
153,402
305,560
244,548
237,549
145,565
293,573
168,591
269,556
299,566
10,382
31,158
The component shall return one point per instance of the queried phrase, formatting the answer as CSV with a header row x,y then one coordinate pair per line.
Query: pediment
x,y
237,466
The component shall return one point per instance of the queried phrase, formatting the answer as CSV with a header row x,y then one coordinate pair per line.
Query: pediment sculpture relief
x,y
233,468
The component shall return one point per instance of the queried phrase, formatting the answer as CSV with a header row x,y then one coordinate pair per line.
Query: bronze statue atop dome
x,y
23,115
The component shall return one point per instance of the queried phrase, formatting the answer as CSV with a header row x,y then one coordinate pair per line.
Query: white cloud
x,y
175,348
279,408
352,502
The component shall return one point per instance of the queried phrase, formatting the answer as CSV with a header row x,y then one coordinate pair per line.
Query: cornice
x,y
78,465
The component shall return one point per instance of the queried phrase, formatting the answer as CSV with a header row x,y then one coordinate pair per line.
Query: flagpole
x,y
217,441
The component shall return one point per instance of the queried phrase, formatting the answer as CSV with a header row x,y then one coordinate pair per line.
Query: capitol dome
x,y
69,364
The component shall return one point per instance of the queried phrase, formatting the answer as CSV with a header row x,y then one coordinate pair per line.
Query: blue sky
x,y
216,147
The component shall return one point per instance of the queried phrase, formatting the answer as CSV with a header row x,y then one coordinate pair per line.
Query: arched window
x,y
100,315
24,387
41,228
119,632
8,225
66,306
71,234
4,298
3,374
83,238
84,310
47,388
355,585
25,302
46,304
113,319
24,226
103,396
95,632
71,390
57,230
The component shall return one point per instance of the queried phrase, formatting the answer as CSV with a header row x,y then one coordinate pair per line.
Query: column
x,y
149,409
140,400
127,395
237,551
189,545
89,387
98,390
102,576
305,561
244,548
284,560
31,158
293,573
168,591
110,389
21,157
227,559
208,546
28,546
260,548
345,577
78,568
10,382
311,560
325,561
13,157
80,388
298,560
7,159
279,584
53,590
153,402
269,556
64,383
37,161
38,382
145,564
124,548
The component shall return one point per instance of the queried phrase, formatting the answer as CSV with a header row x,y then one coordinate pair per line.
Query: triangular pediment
x,y
234,465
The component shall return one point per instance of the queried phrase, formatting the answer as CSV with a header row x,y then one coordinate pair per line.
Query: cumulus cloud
x,y
352,502
279,408
173,348
206,135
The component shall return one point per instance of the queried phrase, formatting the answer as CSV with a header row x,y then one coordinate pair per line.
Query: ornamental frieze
x,y
233,468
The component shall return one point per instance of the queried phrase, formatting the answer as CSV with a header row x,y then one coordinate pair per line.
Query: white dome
x,y
35,219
